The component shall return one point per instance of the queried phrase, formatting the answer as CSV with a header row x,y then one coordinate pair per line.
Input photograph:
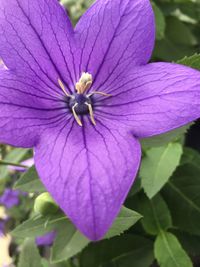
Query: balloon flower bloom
x,y
82,97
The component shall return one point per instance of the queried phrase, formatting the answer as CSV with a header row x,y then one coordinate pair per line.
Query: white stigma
x,y
84,83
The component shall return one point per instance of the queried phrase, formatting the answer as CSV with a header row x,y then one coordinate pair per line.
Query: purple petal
x,y
26,108
89,172
10,198
46,240
37,37
115,36
154,99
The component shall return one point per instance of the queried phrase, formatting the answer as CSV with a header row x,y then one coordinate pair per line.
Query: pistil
x,y
84,83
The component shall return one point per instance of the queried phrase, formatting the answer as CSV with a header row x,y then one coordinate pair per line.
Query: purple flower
x,y
46,240
9,198
83,97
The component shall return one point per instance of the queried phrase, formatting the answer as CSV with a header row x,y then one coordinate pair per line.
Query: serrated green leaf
x,y
163,139
29,256
193,61
70,241
158,165
123,251
124,221
156,215
38,226
30,182
14,156
160,22
169,252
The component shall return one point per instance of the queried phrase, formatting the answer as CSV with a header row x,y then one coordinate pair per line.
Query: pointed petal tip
x,y
94,235
91,192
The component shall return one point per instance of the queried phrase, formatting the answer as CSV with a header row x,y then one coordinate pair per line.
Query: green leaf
x,y
68,2
163,139
123,222
30,182
184,17
29,256
38,226
190,243
190,156
70,241
193,61
167,50
183,198
123,251
158,165
44,263
156,215
192,10
136,187
179,33
160,22
168,251
14,156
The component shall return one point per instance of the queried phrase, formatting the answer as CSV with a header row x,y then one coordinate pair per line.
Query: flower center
x,y
80,103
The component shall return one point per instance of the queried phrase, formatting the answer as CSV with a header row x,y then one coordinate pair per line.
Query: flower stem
x,y
12,164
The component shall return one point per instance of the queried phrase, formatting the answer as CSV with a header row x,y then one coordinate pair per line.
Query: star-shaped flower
x,y
83,96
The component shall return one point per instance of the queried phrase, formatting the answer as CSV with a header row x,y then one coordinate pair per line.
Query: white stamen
x,y
91,113
76,116
63,88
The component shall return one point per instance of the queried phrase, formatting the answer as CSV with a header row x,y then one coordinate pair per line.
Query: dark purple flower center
x,y
82,102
